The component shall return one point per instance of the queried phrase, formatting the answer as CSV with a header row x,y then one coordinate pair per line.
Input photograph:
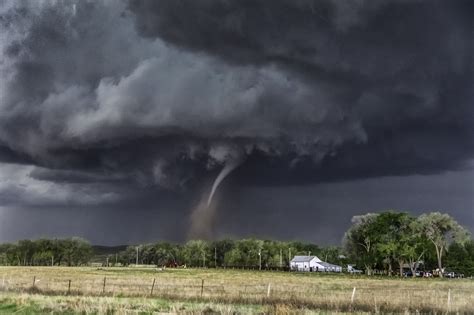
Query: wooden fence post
x,y
34,281
268,290
449,300
152,287
103,288
353,295
69,287
202,286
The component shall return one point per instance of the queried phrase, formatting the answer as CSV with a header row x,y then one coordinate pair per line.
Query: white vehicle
x,y
351,269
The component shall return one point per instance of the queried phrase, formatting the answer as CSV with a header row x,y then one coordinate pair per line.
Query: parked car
x,y
452,274
351,269
418,273
409,274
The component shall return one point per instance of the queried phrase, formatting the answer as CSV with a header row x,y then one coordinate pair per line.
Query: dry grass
x,y
244,289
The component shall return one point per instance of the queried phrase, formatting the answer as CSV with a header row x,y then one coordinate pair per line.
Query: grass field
x,y
194,291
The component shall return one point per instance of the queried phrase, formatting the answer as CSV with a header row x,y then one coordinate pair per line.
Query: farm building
x,y
312,263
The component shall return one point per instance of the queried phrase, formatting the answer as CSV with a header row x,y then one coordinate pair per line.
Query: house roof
x,y
304,258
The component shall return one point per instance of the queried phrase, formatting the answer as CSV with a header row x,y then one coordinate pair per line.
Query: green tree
x,y
196,253
77,251
360,241
147,254
271,254
441,230
220,248
245,253
57,250
11,254
393,229
413,246
333,255
127,256
165,254
45,252
460,258
26,250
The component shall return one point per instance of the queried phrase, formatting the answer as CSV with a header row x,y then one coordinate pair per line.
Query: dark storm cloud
x,y
403,70
317,213
7,155
70,176
363,44
162,92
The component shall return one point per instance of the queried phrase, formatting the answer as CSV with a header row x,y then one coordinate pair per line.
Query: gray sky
x,y
317,213
116,116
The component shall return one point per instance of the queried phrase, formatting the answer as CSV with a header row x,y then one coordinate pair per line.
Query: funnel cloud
x,y
232,162
137,103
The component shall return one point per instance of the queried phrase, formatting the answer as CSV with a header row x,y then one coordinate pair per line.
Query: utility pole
x,y
52,261
136,261
289,258
259,259
215,257
281,258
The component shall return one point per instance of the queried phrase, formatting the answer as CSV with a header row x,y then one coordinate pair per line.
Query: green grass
x,y
10,306
40,304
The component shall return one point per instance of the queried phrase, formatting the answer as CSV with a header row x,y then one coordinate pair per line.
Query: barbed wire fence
x,y
304,295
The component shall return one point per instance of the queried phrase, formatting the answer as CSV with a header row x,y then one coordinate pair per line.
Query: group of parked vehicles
x,y
435,273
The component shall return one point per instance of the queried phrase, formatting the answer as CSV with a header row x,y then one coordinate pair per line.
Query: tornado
x,y
203,216
228,168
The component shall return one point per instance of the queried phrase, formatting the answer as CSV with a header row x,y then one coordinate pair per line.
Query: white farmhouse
x,y
312,263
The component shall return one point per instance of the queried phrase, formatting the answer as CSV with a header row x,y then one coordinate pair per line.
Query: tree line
x,y
384,243
46,252
246,253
